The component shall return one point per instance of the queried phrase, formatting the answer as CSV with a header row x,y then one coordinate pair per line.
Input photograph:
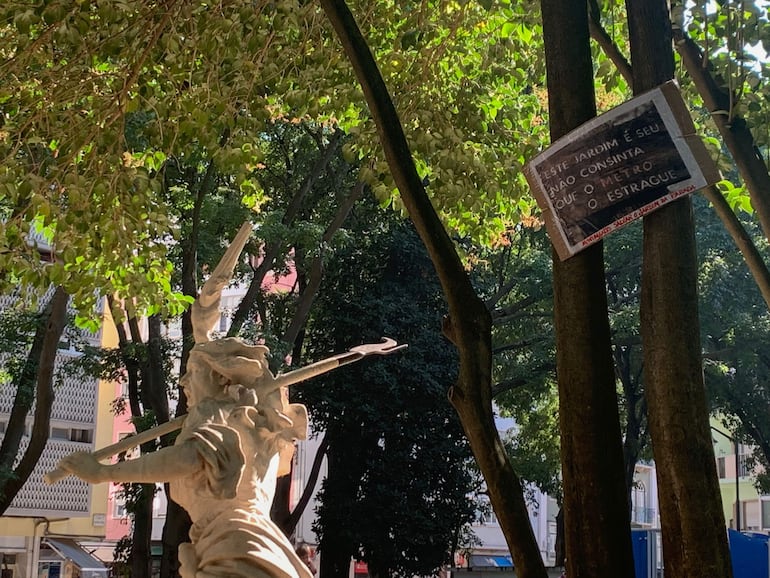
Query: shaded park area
x,y
581,315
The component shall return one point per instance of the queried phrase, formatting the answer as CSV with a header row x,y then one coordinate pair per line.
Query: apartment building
x,y
53,531
745,509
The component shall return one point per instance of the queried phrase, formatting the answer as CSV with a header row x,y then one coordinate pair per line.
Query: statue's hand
x,y
85,466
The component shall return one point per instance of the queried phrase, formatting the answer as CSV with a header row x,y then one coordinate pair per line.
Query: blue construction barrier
x,y
640,544
749,553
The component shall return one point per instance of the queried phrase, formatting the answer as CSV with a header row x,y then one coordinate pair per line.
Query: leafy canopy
x,y
98,94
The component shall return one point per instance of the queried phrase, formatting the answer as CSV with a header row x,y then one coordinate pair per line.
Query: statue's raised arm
x,y
205,310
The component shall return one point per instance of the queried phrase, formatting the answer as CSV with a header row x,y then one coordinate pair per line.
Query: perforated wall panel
x,y
74,407
69,497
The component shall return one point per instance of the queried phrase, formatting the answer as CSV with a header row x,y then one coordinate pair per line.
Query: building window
x,y
85,436
60,433
721,468
119,511
742,465
485,515
81,435
765,514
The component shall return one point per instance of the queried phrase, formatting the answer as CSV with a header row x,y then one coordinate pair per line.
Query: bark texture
x,y
692,521
596,513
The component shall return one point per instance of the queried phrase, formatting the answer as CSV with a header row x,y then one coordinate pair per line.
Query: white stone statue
x,y
236,439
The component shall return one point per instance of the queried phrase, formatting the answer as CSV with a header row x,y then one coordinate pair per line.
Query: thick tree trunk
x,y
596,513
692,521
469,325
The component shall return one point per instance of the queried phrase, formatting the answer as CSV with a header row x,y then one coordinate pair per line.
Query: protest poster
x,y
618,167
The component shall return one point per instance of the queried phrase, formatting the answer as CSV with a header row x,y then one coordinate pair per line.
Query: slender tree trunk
x,y
469,324
291,213
596,513
310,483
692,521
154,378
736,134
560,550
36,385
337,551
742,240
315,270
176,529
141,548
636,415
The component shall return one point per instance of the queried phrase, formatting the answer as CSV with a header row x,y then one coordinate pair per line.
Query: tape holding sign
x,y
618,167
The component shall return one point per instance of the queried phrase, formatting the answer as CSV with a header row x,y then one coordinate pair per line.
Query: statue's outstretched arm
x,y
163,465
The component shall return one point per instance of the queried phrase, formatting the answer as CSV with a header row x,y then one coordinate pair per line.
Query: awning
x,y
481,561
71,550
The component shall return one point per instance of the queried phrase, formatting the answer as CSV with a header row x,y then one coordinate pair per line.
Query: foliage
x,y
515,279
18,322
735,330
734,36
98,95
534,445
388,419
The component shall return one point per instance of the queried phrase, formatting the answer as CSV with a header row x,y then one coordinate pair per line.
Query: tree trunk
x,y
692,521
141,549
469,325
560,549
271,252
285,519
596,513
176,529
36,384
336,551
153,376
636,415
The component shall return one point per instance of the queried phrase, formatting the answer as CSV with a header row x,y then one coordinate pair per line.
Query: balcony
x,y
643,516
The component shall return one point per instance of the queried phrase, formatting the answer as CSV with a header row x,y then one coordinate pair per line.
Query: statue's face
x,y
200,380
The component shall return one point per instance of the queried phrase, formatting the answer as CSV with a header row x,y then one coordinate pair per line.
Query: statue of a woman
x,y
223,467
237,438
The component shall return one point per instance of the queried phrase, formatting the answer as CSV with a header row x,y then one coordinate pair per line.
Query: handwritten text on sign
x,y
617,168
